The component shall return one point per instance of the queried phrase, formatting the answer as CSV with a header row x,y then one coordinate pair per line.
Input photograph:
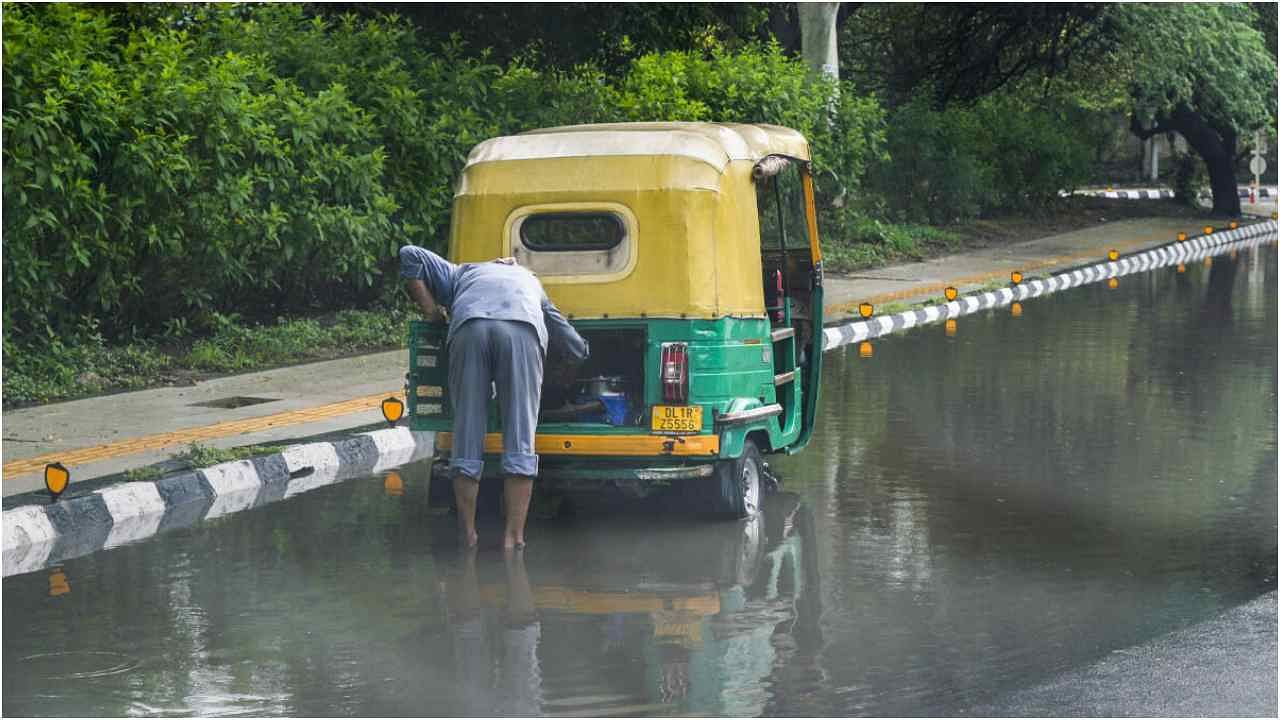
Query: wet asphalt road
x,y
1067,512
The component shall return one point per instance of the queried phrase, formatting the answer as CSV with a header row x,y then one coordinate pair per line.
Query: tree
x,y
1203,70
960,52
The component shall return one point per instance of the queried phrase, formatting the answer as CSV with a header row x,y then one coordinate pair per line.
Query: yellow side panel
x,y
698,237
609,445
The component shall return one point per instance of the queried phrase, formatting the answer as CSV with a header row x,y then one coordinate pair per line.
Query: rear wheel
x,y
736,487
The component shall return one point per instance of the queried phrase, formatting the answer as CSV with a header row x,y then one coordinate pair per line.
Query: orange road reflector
x,y
58,584
1113,283
866,310
393,484
865,350
1208,229
392,409
1015,277
951,293
1182,237
56,479
1016,309
949,327
1182,268
1113,255
1234,224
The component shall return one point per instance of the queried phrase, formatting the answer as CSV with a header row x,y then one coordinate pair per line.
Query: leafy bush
x,y
759,84
146,180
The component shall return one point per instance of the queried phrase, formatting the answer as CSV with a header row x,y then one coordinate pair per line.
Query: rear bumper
x,y
633,479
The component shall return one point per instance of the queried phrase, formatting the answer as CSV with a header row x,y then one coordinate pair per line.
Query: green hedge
x,y
1002,154
254,160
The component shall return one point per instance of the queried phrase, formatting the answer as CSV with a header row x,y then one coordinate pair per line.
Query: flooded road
x,y
979,512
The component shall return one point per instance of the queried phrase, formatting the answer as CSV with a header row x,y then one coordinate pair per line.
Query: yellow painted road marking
x,y
918,290
189,435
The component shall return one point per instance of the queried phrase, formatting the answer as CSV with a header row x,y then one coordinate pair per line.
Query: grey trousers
x,y
508,354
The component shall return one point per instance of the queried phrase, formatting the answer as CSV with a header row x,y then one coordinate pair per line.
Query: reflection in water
x,y
712,625
976,514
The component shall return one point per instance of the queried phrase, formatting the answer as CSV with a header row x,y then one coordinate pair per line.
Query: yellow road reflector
x,y
866,310
1016,309
865,350
1208,229
56,478
1015,277
1113,283
392,409
1182,237
58,584
951,293
1113,255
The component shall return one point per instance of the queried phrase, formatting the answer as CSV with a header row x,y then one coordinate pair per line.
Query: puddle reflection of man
x,y
512,685
501,324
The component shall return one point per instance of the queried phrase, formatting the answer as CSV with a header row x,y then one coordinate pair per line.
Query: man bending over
x,y
500,325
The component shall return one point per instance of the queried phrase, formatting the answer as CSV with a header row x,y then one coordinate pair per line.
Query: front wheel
x,y
736,487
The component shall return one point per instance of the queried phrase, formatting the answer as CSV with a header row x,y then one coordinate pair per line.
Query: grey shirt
x,y
497,291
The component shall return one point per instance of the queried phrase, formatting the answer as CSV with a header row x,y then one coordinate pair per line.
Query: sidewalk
x,y
105,435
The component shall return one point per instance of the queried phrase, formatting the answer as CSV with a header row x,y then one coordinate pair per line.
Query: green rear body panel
x,y
732,366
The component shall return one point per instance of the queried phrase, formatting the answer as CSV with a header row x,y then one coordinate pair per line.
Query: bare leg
x,y
516,491
465,491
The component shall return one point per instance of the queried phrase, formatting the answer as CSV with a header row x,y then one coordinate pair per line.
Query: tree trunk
x,y
1218,150
818,37
1216,146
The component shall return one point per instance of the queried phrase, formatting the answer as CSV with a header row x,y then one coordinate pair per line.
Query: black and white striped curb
x,y
1171,254
1262,192
1145,194
36,536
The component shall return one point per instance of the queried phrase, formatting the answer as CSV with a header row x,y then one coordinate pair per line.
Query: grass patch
x,y
63,369
198,456
201,456
869,243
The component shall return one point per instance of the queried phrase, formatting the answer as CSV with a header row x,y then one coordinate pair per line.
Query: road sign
x,y
1257,165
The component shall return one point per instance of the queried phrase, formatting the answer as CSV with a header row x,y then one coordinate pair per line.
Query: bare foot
x,y
511,543
469,541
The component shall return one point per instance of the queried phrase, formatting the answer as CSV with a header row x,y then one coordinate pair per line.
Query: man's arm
x,y
566,351
428,280
431,310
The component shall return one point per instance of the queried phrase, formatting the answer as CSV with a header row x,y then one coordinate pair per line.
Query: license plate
x,y
678,419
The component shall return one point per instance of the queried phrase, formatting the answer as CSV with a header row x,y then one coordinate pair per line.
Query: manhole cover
x,y
229,403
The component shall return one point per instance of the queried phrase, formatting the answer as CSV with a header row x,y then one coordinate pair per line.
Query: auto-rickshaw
x,y
687,255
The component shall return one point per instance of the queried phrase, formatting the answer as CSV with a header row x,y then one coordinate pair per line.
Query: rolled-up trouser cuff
x,y
468,467
520,464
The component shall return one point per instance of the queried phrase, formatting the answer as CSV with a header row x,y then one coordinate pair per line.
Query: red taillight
x,y
777,282
675,372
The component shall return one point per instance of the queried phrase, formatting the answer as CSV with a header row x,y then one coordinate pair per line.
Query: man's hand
x,y
431,310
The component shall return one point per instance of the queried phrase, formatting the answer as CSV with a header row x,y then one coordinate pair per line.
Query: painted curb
x,y
1171,254
1149,194
36,536
1157,193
